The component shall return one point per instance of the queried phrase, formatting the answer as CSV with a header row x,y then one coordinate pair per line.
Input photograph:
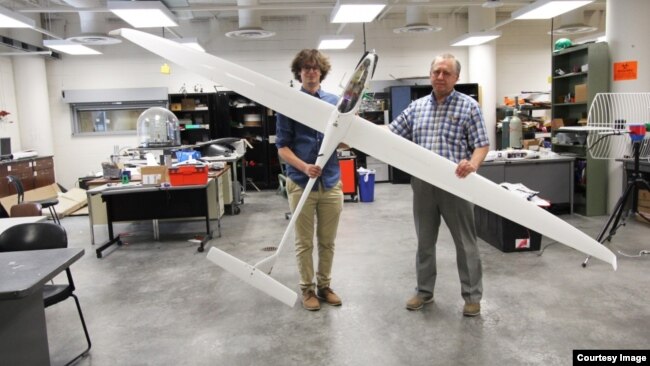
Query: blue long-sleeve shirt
x,y
305,143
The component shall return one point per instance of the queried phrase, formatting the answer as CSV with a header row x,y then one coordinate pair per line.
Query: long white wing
x,y
373,140
439,171
312,112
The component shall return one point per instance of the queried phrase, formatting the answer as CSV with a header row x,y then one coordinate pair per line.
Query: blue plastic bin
x,y
366,185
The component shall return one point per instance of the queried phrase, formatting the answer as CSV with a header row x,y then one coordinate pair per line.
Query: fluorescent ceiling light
x,y
547,9
339,42
475,38
143,14
191,42
491,4
356,11
69,47
11,19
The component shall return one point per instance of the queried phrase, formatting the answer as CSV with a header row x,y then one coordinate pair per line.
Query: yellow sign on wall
x,y
625,70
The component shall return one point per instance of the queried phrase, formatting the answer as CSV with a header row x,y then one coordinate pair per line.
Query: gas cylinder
x,y
505,129
516,131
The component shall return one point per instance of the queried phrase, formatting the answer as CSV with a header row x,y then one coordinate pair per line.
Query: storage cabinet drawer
x,y
44,163
5,188
17,168
43,177
33,173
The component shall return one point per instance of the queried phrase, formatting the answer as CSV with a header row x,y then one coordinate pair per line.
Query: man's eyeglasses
x,y
311,67
437,73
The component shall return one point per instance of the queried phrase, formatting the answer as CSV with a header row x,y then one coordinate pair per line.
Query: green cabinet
x,y
579,73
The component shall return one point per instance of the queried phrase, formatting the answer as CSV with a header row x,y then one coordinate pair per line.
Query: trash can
x,y
366,184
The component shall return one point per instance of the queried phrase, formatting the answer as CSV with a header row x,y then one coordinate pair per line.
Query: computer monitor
x,y
5,148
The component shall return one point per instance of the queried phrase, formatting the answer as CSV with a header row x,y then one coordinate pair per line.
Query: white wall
x,y
9,125
523,63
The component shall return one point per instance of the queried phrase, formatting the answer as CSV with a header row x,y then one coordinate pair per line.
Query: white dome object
x,y
158,127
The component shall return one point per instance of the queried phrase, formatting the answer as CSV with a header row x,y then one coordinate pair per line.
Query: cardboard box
x,y
154,174
51,191
176,106
188,104
531,142
643,201
580,93
643,220
643,204
556,123
69,202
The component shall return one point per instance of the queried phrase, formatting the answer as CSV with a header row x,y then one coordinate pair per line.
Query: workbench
x,y
135,202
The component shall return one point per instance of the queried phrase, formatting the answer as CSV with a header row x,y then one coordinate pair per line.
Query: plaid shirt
x,y
452,129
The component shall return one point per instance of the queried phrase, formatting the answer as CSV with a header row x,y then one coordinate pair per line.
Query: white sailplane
x,y
341,124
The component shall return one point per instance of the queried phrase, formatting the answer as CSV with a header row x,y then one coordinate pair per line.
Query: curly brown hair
x,y
310,57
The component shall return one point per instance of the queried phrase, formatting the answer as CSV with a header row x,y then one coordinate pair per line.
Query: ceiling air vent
x,y
250,33
417,28
94,39
250,23
416,22
573,23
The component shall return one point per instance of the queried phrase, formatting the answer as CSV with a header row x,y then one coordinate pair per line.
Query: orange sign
x,y
625,70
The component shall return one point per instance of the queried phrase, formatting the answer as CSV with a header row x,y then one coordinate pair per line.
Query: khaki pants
x,y
325,207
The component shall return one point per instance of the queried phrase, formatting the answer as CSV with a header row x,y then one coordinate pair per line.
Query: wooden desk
x,y
22,312
135,202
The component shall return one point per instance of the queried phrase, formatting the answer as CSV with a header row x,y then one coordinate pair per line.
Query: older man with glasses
x,y
450,124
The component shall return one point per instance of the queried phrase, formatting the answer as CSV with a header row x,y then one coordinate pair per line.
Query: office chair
x,y
26,209
45,235
48,203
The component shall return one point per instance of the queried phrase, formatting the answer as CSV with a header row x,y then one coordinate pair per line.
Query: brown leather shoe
x,y
329,296
472,309
310,301
417,302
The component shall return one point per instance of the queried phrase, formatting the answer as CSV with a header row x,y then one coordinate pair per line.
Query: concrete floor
x,y
162,303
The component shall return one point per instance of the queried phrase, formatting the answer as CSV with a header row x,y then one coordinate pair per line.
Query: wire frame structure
x,y
609,121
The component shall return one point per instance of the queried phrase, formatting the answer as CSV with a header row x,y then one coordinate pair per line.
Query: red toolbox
x,y
188,175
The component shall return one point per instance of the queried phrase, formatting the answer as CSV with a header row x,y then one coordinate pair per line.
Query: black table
x,y
22,313
551,176
134,203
